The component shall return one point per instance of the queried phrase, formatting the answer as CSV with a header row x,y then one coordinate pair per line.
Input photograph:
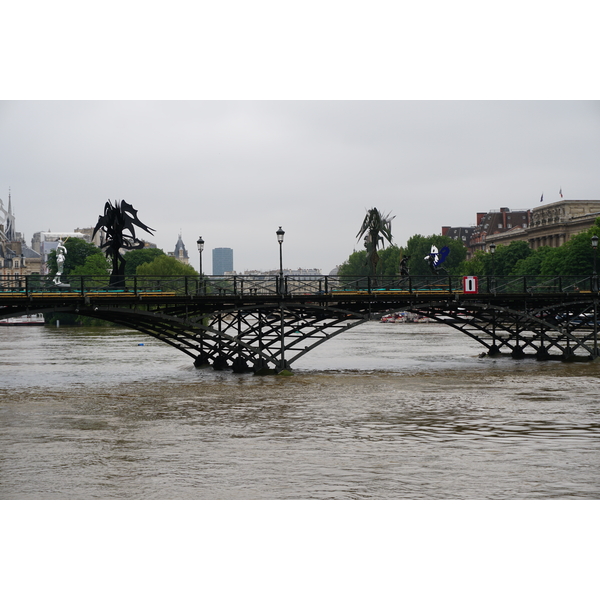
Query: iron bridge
x,y
266,323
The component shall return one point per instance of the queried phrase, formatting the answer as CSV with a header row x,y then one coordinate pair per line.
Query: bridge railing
x,y
244,285
535,285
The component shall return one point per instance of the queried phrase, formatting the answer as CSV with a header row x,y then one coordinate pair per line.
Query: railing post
x,y
560,287
369,284
135,284
326,284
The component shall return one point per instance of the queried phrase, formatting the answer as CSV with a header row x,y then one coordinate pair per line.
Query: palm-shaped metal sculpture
x,y
378,228
116,221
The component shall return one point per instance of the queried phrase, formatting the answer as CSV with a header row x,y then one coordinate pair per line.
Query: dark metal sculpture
x,y
116,221
378,228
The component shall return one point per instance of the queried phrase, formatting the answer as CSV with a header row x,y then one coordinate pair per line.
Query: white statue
x,y
61,253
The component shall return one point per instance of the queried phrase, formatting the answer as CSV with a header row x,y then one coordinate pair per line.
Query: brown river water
x,y
384,411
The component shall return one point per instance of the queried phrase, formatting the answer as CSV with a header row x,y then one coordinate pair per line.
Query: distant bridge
x,y
265,323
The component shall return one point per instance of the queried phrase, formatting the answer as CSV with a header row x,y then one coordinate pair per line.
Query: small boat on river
x,y
404,317
37,319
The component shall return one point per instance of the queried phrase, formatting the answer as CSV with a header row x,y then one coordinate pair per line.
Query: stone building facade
x,y
16,258
552,224
546,225
494,222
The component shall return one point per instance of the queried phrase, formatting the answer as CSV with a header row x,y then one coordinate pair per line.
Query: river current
x,y
384,411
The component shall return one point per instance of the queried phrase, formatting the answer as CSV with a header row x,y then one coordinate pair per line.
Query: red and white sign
x,y
470,285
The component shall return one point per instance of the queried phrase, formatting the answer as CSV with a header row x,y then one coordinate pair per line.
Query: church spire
x,y
10,221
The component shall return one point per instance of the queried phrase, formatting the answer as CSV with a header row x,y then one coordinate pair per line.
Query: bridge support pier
x,y
517,353
284,368
494,350
261,367
220,363
542,354
201,361
240,365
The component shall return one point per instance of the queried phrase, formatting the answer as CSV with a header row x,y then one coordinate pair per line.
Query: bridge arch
x,y
266,327
271,337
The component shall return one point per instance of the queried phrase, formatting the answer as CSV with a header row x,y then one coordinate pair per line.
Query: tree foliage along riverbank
x,y
83,258
575,258
78,252
417,248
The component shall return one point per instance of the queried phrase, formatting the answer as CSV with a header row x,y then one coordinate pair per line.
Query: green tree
x,y
78,251
506,257
164,266
479,265
574,258
95,265
135,258
500,264
356,265
389,261
419,246
532,265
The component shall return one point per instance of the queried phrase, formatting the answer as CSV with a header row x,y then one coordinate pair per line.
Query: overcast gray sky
x,y
235,171
314,156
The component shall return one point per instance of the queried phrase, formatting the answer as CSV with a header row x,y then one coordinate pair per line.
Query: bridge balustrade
x,y
267,285
268,322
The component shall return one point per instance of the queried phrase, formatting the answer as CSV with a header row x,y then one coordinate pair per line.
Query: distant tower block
x,y
222,261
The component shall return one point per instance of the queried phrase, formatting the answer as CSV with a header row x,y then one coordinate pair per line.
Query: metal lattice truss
x,y
564,331
269,335
259,338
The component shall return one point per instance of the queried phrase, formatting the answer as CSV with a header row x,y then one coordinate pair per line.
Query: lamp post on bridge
x,y
282,365
280,233
492,252
200,245
595,272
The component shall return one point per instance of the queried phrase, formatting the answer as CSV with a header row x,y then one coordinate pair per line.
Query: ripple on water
x,y
383,413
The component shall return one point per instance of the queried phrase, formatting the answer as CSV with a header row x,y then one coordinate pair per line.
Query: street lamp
x,y
595,272
280,233
492,252
200,244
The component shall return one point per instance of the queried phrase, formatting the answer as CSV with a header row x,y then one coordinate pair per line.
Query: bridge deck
x,y
269,323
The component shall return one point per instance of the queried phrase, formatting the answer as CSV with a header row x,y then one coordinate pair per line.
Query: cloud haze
x,y
234,171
